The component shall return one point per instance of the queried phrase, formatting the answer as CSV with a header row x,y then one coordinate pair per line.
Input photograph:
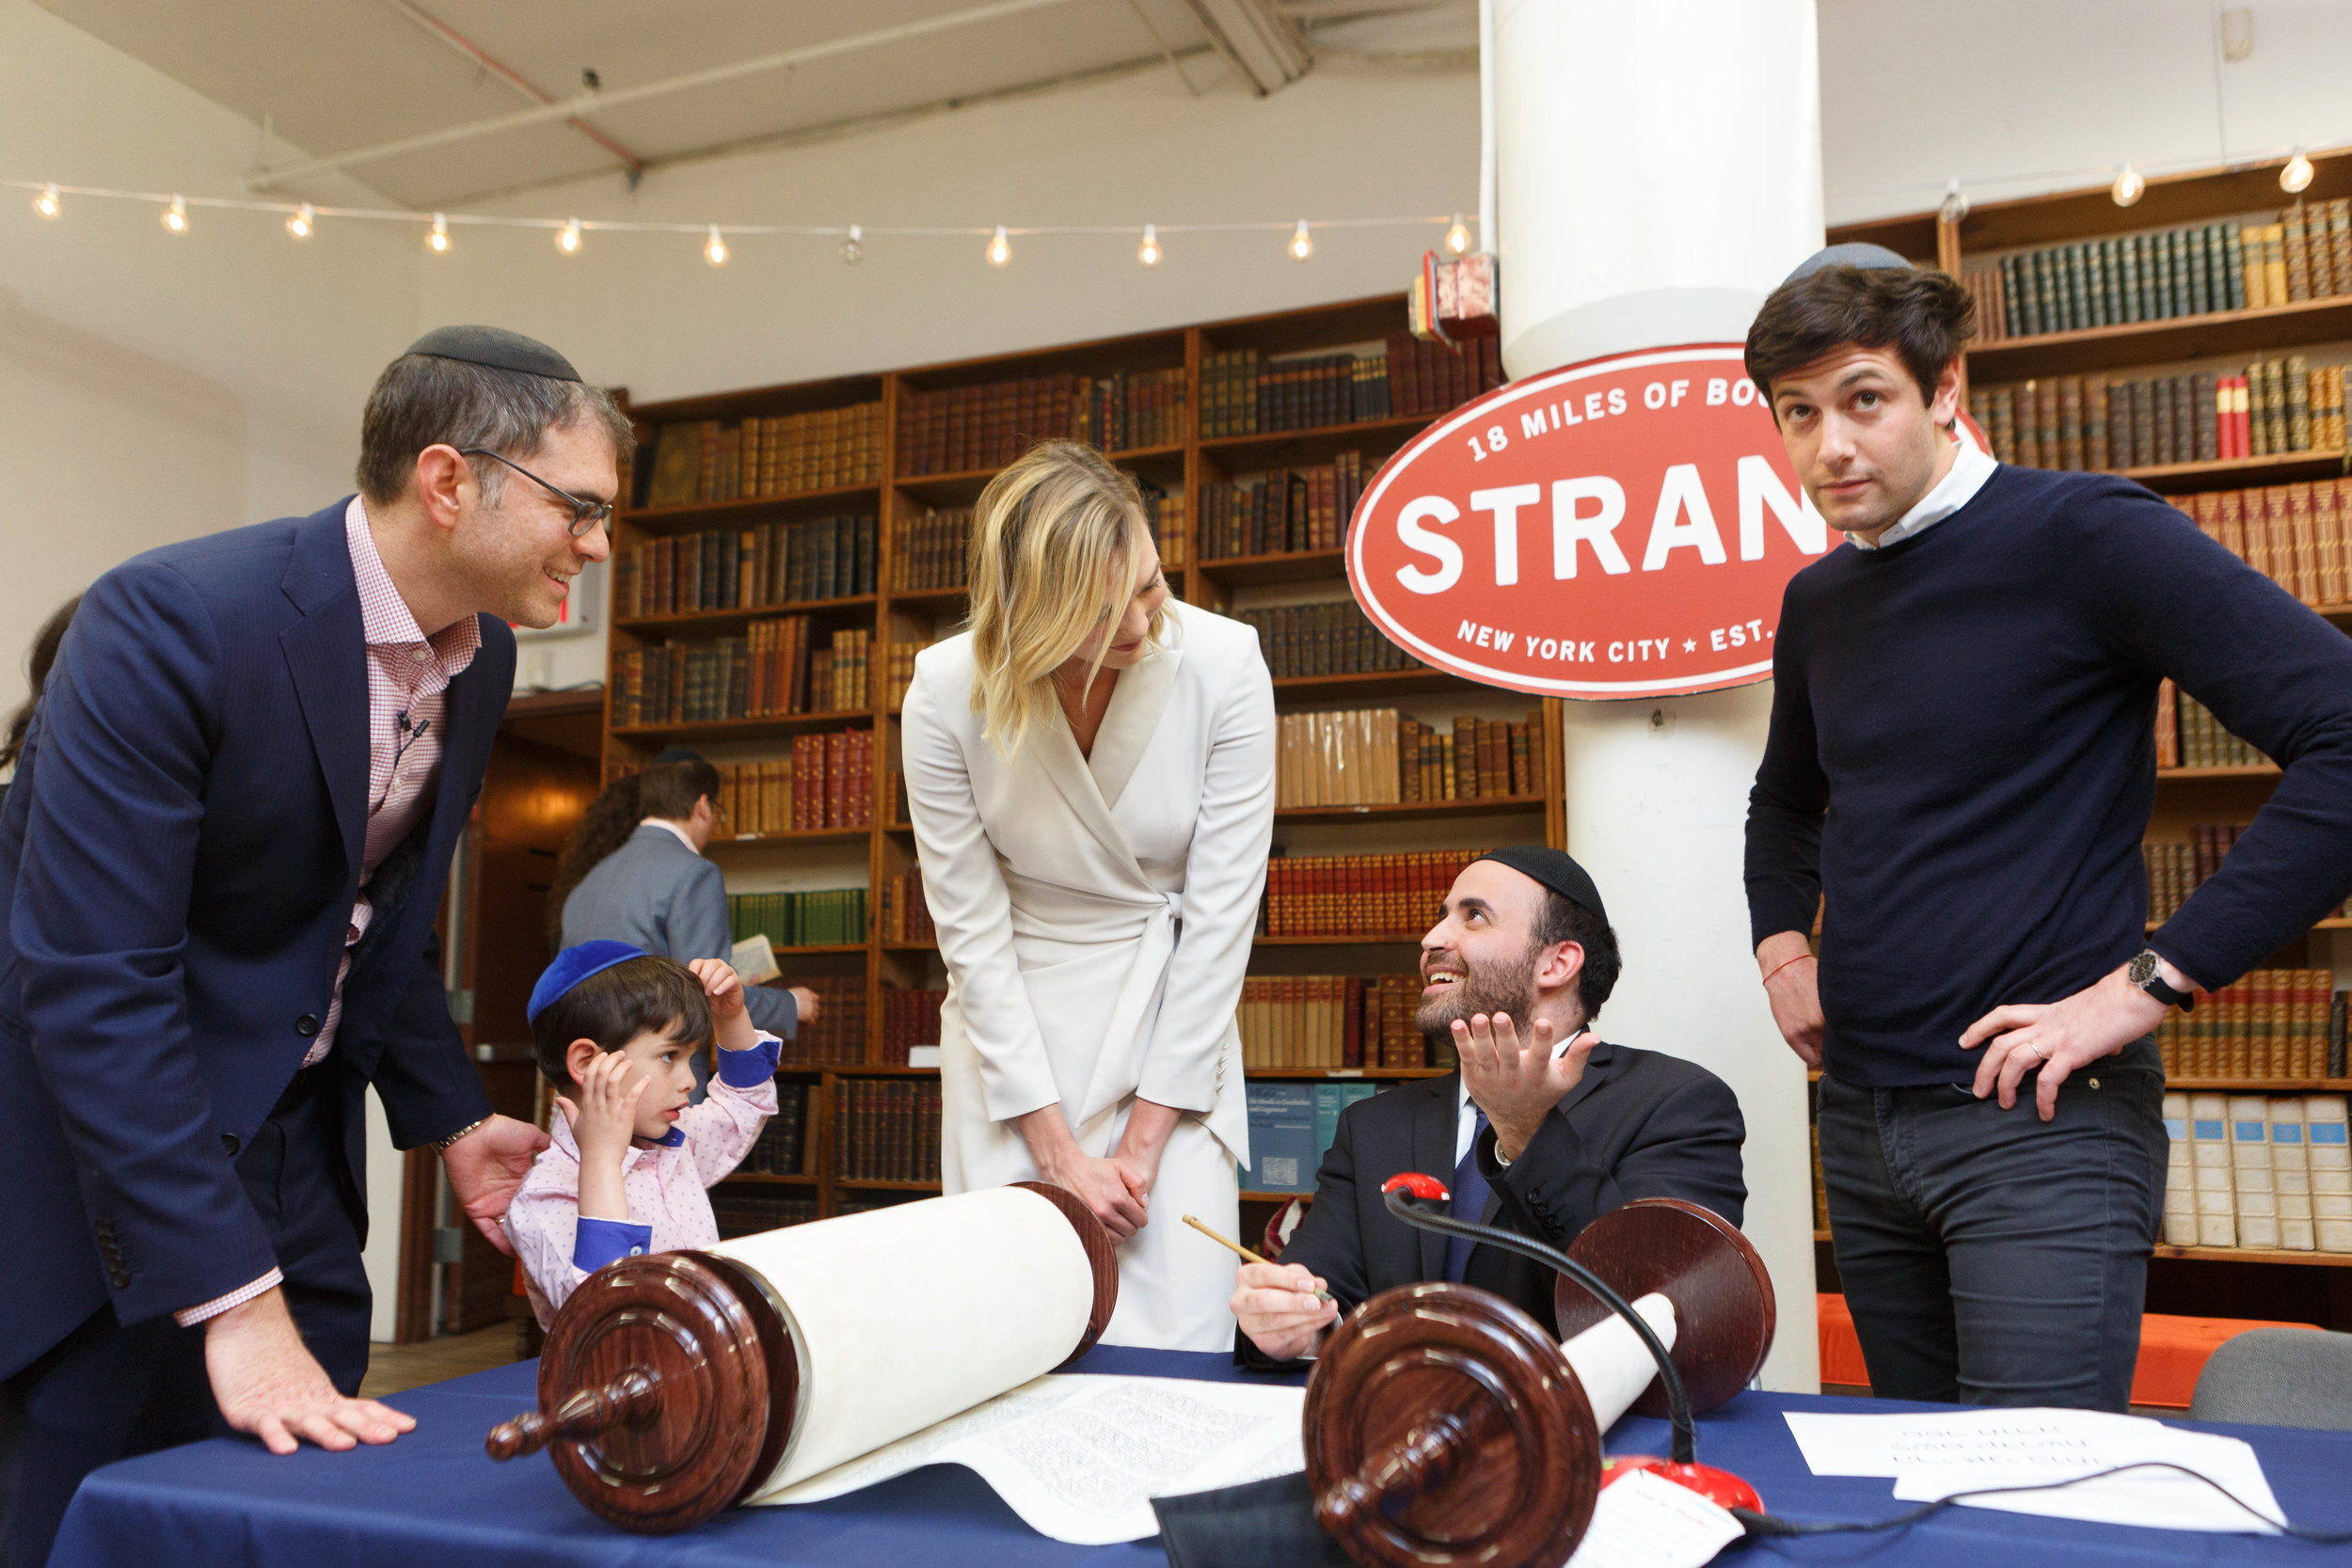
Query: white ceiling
x,y
337,76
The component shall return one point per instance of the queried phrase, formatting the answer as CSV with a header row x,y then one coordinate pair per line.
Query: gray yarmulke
x,y
1846,256
497,348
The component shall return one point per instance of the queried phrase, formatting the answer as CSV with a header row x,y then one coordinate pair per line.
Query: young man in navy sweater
x,y
1961,760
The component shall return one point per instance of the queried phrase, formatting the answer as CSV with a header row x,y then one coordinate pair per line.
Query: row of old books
x,y
2268,1172
2285,1024
931,548
2189,735
1164,513
768,672
909,1018
905,918
827,781
1332,638
748,568
1335,1022
885,1129
962,429
1291,1126
743,1210
1284,509
1359,896
1245,393
825,917
2299,535
837,1038
2176,870
2088,422
781,1148
784,455
1377,756
1128,410
900,671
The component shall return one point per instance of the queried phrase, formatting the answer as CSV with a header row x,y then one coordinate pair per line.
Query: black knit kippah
x,y
497,348
1555,870
1855,254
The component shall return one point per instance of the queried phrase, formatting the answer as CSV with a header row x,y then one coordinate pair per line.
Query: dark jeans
x,y
1992,1258
107,1392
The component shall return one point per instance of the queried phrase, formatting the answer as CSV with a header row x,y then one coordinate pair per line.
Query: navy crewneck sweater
x,y
1962,758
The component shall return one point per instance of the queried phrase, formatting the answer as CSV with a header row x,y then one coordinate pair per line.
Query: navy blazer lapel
x,y
327,654
1597,1067
1435,1126
473,708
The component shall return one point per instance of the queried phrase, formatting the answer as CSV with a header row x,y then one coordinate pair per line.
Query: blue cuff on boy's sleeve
x,y
596,1242
748,1070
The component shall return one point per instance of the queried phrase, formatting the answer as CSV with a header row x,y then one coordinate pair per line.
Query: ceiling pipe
x,y
466,46
589,103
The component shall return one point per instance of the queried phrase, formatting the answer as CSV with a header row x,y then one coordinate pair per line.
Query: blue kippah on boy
x,y
572,966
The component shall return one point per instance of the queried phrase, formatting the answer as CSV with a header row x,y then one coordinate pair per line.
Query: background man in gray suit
x,y
634,872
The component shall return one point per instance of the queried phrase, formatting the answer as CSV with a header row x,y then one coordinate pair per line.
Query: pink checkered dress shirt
x,y
408,676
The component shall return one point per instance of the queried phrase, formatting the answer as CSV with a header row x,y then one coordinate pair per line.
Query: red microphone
x,y
1427,1188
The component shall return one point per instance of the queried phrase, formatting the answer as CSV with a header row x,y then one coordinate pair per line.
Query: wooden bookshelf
x,y
892,614
2321,328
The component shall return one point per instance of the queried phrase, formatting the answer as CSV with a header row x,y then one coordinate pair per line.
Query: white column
x,y
1659,171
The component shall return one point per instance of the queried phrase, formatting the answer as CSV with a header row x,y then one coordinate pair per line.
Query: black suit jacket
x,y
178,859
1639,1124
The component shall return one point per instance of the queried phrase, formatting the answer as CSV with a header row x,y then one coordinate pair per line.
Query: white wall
x,y
2017,96
154,387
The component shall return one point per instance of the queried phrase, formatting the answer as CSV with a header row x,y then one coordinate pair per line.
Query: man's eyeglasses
x,y
586,514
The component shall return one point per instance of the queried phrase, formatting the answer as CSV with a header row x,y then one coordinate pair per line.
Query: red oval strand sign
x,y
1622,528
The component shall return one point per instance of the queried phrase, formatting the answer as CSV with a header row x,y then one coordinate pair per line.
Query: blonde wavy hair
x,y
1054,539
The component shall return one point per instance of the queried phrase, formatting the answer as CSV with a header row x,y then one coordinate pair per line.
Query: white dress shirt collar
x,y
669,827
1970,468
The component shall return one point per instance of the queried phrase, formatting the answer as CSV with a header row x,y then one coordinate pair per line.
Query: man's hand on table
x,y
268,1384
1276,1306
487,1166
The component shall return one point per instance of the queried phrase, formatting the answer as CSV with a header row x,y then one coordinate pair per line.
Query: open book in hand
x,y
755,959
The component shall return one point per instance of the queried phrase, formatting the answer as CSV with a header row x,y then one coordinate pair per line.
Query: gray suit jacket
x,y
657,893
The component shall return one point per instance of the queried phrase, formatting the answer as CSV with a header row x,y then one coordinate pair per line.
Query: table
x,y
434,1498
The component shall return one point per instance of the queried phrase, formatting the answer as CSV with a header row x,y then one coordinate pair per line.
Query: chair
x,y
2290,1377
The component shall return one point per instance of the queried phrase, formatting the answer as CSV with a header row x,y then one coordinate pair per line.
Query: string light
x,y
999,248
2297,175
176,216
2128,186
1302,242
438,242
1457,239
716,251
1149,252
567,238
854,247
46,202
305,219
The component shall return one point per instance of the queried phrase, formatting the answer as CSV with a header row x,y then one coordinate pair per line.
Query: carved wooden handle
x,y
1420,1462
631,1398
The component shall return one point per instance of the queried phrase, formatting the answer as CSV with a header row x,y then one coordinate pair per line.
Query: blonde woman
x,y
1090,770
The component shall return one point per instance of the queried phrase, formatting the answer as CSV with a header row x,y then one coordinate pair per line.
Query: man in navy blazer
x,y
225,846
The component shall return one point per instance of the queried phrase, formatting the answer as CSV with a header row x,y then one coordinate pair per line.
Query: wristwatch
x,y
2146,971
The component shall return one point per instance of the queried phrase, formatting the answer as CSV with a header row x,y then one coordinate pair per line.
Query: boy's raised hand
x,y
723,989
604,1118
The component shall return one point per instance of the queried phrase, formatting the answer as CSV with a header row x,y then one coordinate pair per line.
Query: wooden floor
x,y
394,1368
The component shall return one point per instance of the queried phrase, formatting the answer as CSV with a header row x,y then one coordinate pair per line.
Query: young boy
x,y
618,1028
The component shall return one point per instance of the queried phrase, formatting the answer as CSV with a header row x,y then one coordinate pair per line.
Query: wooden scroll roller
x,y
1446,1426
679,1383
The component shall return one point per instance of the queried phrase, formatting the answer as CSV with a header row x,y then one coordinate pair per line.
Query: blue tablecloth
x,y
433,1497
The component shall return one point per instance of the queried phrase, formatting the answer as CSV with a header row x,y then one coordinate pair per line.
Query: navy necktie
x,y
1469,1203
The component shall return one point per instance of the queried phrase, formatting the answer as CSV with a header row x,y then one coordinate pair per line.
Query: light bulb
x,y
1302,242
46,202
2297,175
1149,252
999,248
2128,185
176,217
438,242
715,252
305,219
567,238
853,247
1457,239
